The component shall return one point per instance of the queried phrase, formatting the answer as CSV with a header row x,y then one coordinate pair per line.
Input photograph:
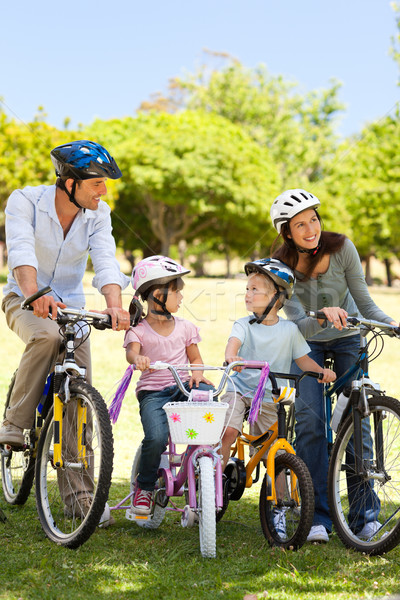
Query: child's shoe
x,y
280,523
141,503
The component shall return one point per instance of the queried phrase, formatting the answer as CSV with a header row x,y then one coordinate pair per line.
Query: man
x,y
50,230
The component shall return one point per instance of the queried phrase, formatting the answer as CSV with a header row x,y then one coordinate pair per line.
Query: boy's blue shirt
x,y
278,344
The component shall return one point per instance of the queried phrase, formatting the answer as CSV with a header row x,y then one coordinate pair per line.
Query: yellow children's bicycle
x,y
286,502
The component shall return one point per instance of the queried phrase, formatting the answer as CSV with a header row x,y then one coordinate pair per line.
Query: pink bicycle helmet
x,y
155,270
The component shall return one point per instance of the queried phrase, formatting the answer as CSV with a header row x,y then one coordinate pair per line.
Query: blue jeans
x,y
156,431
311,444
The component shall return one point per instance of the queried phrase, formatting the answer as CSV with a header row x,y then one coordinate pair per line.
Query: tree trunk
x,y
199,265
228,263
388,272
368,276
182,246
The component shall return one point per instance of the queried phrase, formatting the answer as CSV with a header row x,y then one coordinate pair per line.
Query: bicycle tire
x,y
287,522
158,512
17,466
206,507
63,516
385,421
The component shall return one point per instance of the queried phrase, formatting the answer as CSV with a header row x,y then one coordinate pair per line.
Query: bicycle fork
x,y
61,397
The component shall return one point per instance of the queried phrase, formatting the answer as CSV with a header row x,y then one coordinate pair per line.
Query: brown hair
x,y
329,242
174,284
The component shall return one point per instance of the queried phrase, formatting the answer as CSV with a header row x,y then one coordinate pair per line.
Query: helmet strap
x,y
311,251
163,312
271,304
71,194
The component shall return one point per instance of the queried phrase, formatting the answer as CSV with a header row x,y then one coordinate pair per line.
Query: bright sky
x,y
91,58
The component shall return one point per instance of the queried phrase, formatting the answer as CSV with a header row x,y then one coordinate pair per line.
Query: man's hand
x,y
120,318
46,305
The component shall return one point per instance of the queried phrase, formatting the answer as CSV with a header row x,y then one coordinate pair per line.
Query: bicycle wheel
x,y
206,507
375,497
287,522
158,511
17,466
70,500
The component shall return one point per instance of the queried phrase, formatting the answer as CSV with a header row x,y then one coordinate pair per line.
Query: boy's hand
x,y
230,359
328,376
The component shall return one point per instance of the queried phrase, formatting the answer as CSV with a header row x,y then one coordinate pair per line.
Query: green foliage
x,y
368,180
25,153
189,174
296,127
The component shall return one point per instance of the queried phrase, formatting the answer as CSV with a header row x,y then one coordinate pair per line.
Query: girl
x,y
159,336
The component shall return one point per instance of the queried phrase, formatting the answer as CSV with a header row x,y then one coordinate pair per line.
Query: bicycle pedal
x,y
132,516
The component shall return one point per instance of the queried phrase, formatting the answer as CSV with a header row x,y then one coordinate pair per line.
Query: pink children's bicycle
x,y
196,473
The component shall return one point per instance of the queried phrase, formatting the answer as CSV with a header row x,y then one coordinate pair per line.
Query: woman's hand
x,y
328,376
335,315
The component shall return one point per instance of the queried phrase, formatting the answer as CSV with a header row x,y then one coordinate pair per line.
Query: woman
x,y
329,278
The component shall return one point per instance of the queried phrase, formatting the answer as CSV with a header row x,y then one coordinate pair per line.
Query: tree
x,y
368,180
189,175
297,128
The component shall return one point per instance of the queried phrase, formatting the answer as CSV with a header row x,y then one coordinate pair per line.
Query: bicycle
x,y
364,464
196,473
70,444
286,501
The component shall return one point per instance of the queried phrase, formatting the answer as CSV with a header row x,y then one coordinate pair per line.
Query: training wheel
x,y
189,517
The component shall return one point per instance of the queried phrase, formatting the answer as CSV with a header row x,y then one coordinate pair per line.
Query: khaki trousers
x,y
42,340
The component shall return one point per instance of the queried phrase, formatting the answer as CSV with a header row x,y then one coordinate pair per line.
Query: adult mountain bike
x,y
69,448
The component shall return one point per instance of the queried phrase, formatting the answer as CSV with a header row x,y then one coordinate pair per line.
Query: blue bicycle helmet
x,y
84,160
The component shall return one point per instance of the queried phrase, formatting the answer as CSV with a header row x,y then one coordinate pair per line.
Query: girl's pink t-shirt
x,y
171,349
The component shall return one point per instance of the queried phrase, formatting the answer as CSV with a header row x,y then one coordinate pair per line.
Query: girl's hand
x,y
196,378
337,316
230,359
142,362
328,376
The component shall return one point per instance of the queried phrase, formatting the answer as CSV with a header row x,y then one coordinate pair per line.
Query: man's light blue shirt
x,y
35,238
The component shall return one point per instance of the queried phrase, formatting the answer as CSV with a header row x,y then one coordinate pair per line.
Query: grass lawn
x,y
124,562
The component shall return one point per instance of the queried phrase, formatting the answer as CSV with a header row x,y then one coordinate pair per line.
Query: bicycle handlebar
x,y
71,315
354,322
246,364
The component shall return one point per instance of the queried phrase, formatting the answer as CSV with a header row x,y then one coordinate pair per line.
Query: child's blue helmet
x,y
275,269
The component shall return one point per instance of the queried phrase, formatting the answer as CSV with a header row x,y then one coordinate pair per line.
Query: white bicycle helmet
x,y
291,203
153,270
278,271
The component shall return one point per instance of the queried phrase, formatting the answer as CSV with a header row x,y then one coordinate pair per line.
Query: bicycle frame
x,y
271,441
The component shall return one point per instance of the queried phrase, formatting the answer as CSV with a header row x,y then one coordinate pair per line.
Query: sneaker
x,y
280,523
369,530
11,435
106,518
318,533
79,509
141,504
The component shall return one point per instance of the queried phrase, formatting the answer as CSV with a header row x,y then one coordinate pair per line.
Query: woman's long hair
x,y
329,243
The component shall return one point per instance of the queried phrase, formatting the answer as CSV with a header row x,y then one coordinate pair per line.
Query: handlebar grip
x,y
318,314
26,304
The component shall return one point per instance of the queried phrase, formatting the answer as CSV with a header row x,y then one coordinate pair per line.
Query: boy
x,y
263,336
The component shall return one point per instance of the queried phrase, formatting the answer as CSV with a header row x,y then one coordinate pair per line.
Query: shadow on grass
x,y
124,561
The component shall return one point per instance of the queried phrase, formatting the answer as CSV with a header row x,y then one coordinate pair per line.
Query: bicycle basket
x,y
196,422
